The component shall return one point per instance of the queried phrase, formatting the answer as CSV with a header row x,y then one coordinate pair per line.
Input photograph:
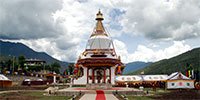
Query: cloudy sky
x,y
142,30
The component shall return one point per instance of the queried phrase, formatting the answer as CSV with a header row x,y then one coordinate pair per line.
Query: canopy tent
x,y
146,81
179,81
155,77
3,78
128,78
140,78
4,81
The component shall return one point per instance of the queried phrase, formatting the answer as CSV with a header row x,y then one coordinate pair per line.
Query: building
x,y
4,81
35,65
179,81
34,62
99,63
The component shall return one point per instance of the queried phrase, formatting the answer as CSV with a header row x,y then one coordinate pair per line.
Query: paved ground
x,y
110,97
88,96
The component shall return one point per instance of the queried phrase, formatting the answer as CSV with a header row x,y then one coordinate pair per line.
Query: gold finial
x,y
99,16
99,29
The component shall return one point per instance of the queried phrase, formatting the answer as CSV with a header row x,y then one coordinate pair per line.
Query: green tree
x,y
2,65
21,60
47,67
9,64
55,67
71,68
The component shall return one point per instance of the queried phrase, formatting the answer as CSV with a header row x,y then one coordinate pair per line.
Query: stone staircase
x,y
99,86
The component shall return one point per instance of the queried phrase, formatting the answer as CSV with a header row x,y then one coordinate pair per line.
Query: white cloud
x,y
22,19
50,47
60,28
57,28
159,19
147,54
121,50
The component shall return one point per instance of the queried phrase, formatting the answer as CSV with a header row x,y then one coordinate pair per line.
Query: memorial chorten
x,y
99,63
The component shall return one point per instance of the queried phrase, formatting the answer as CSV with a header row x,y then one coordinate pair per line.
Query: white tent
x,y
136,78
4,81
179,81
3,78
155,77
128,78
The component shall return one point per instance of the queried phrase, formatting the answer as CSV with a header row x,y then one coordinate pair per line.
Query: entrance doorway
x,y
99,75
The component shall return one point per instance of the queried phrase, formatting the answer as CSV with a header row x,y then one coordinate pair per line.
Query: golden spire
x,y
99,29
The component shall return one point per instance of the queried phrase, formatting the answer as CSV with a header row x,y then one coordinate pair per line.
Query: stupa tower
x,y
99,62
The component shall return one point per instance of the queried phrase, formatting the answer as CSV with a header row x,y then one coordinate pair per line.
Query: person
x,y
29,83
147,92
116,92
49,91
79,92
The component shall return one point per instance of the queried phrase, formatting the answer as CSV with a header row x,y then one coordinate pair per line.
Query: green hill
x,y
177,63
9,49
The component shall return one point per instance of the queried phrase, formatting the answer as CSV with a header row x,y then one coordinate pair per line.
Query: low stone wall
x,y
129,92
68,93
74,95
98,86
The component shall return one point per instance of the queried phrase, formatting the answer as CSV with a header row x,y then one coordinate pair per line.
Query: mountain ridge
x,y
18,49
176,63
136,65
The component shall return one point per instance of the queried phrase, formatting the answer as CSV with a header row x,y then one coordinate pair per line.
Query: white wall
x,y
113,75
180,84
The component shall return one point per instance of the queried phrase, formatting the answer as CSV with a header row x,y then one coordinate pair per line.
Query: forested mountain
x,y
177,63
133,66
9,49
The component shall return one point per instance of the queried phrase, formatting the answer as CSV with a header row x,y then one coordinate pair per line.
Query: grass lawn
x,y
151,93
30,96
139,98
161,94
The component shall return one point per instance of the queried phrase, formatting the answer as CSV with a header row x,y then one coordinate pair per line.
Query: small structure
x,y
35,65
4,81
38,81
179,81
52,77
